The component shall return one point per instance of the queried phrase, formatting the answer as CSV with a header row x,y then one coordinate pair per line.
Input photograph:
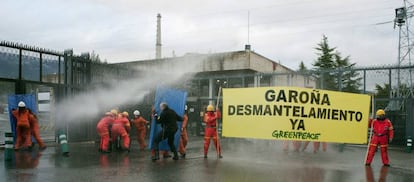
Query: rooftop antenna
x,y
248,27
248,46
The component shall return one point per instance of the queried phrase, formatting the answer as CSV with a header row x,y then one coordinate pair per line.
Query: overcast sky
x,y
282,30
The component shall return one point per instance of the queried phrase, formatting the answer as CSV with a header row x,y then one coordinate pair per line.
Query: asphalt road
x,y
244,160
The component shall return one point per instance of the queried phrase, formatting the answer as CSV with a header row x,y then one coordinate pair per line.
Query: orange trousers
x,y
104,145
36,134
23,137
121,131
208,134
382,141
104,134
183,142
141,133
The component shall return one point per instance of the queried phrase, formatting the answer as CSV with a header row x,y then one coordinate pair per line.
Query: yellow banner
x,y
290,113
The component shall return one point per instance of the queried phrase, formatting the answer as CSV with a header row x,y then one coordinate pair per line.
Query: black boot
x,y
156,156
183,155
175,156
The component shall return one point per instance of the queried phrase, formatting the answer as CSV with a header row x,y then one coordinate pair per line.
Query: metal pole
x,y
390,82
365,81
40,67
340,79
371,126
409,45
218,146
20,64
399,58
59,70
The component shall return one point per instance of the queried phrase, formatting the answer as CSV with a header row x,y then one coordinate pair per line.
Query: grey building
x,y
238,69
205,73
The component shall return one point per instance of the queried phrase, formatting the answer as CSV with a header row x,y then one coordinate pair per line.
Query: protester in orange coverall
x,y
210,118
141,125
121,127
23,135
383,132
103,131
34,128
184,136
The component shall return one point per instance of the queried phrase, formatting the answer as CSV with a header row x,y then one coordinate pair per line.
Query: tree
x,y
302,67
333,71
382,92
95,57
348,80
324,64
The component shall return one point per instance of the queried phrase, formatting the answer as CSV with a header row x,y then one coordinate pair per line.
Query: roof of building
x,y
224,61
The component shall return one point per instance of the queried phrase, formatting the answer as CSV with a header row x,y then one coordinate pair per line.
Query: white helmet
x,y
21,104
137,113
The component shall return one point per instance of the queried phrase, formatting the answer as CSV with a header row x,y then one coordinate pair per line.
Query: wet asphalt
x,y
244,160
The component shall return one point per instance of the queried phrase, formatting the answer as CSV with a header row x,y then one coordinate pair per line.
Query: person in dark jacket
x,y
168,120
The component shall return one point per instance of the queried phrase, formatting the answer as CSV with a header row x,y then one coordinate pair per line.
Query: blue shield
x,y
176,100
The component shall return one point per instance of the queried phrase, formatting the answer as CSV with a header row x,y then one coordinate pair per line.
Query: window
x,y
249,81
50,68
9,63
31,65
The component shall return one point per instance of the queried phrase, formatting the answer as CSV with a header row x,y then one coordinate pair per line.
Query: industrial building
x,y
238,69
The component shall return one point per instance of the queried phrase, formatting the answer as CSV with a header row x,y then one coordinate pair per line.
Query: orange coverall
x,y
103,131
211,131
141,125
23,138
34,128
184,136
121,128
382,132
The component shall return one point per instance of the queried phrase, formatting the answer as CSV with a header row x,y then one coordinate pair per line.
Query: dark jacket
x,y
168,119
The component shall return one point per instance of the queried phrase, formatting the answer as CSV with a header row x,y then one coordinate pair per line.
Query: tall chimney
x,y
158,44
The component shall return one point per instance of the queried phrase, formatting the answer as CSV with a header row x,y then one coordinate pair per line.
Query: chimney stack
x,y
158,44
247,47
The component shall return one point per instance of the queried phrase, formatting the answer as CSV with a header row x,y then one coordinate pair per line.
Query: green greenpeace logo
x,y
296,135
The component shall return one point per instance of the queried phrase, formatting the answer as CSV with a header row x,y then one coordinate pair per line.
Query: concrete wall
x,y
240,60
229,64
225,61
294,80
